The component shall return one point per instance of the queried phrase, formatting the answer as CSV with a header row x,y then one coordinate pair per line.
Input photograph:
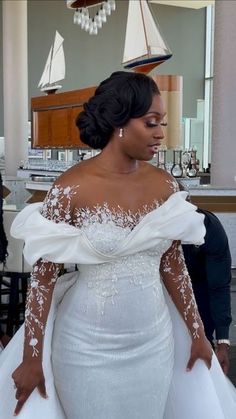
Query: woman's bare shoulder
x,y
165,176
71,189
75,175
162,180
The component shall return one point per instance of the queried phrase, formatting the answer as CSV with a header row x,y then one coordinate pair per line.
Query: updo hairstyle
x,y
122,96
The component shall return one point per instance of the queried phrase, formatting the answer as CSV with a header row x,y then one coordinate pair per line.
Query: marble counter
x,y
208,190
26,173
37,186
17,193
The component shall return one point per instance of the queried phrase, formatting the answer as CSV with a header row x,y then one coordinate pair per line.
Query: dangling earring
x,y
121,133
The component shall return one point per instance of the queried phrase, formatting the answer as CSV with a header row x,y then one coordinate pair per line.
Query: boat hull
x,y
148,64
49,90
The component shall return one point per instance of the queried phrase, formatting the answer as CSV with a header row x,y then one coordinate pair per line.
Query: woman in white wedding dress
x,y
107,342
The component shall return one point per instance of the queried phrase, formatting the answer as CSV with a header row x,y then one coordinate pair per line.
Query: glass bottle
x,y
161,159
185,161
177,169
192,166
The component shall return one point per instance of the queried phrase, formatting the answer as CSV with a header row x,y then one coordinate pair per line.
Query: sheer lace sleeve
x,y
57,207
178,283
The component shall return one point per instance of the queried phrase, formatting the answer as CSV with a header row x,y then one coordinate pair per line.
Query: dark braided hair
x,y
122,96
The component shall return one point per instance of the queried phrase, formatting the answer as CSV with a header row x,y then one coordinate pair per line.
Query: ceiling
x,y
193,4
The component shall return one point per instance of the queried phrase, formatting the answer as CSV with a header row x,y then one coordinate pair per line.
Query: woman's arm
x,y
39,296
29,374
177,281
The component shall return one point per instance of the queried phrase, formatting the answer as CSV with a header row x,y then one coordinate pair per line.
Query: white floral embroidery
x,y
84,217
184,286
36,298
104,280
57,204
174,186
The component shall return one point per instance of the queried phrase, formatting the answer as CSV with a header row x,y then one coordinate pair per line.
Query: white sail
x,y
58,60
46,72
142,34
54,69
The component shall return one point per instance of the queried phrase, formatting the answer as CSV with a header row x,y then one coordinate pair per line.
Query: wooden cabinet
x,y
53,119
74,130
40,128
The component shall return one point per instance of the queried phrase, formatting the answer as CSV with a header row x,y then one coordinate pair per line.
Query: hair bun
x,y
124,95
94,129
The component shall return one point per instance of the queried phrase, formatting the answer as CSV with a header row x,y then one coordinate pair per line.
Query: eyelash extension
x,y
152,125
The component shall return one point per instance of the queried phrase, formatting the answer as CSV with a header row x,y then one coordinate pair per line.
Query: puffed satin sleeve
x,y
176,219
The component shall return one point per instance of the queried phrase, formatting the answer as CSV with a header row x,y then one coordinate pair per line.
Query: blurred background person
x,y
4,339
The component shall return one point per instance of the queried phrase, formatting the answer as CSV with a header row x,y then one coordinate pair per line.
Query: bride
x,y
121,337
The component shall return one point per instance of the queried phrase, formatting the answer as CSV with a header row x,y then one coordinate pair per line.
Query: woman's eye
x,y
151,124
155,124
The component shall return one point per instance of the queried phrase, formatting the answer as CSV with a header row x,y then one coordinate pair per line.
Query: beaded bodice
x,y
110,279
106,228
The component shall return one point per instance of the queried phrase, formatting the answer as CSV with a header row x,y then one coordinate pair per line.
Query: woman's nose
x,y
159,133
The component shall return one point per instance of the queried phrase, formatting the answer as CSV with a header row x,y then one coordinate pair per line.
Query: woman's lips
x,y
154,147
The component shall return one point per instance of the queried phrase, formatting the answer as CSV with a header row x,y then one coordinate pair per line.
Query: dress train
x,y
198,394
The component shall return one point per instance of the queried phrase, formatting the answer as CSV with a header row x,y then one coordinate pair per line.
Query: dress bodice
x,y
106,230
107,233
106,237
121,274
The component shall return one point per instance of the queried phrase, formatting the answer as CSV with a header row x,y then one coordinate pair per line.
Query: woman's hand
x,y
27,377
200,349
222,353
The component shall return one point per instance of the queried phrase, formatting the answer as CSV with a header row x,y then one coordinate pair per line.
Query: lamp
x,y
91,14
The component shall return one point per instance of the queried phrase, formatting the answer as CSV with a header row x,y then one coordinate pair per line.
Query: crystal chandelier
x,y
90,15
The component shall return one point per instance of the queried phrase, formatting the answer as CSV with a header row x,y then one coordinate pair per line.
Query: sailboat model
x,y
144,48
54,69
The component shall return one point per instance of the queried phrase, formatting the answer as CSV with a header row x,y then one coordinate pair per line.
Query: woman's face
x,y
143,135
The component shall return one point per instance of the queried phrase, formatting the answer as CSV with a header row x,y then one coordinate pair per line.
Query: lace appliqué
x,y
183,282
85,217
57,207
104,280
57,204
173,184
37,297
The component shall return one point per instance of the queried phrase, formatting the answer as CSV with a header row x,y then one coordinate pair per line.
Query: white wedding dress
x,y
115,346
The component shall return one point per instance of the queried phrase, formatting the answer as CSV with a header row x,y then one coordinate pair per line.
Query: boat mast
x,y
50,66
144,28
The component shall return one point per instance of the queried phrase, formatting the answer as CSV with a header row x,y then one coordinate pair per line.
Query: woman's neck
x,y
114,162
